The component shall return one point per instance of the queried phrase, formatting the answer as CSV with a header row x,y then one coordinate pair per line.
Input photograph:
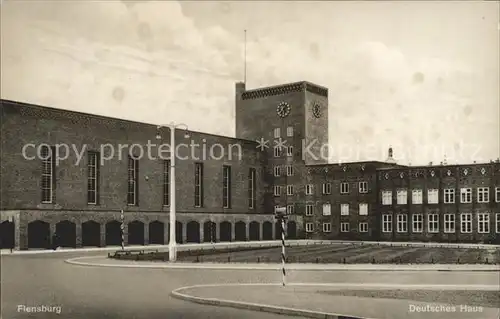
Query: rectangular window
x,y
252,185
449,195
276,208
466,223
363,187
483,223
277,151
289,170
277,171
289,190
309,227
449,223
48,174
402,223
497,222
483,195
432,196
402,196
433,223
497,194
363,209
289,151
466,195
418,223
277,190
327,209
289,131
309,210
344,209
344,188
386,223
309,189
93,178
386,197
327,188
198,185
416,196
226,186
166,182
290,209
133,179
327,227
344,227
277,132
363,227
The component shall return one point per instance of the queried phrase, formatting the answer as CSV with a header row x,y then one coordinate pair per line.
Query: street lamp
x,y
172,245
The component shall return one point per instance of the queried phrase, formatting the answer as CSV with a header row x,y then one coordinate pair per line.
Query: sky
x,y
422,77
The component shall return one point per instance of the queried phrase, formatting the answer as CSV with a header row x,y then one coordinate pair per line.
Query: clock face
x,y
316,110
283,109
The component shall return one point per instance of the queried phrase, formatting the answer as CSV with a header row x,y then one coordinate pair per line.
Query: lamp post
x,y
172,245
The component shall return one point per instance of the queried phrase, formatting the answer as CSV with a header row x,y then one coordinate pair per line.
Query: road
x,y
116,293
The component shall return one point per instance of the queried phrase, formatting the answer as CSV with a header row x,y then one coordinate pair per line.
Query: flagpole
x,y
245,60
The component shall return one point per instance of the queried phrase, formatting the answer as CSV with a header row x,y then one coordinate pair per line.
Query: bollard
x,y
487,262
228,259
400,260
432,260
197,259
458,260
344,260
258,260
317,260
373,260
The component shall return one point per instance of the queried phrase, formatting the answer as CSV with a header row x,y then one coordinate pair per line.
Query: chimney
x,y
445,162
430,163
240,89
390,158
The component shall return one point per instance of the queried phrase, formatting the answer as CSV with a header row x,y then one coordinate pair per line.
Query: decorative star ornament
x,y
262,144
280,143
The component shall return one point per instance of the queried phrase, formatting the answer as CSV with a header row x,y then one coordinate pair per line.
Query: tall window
x,y
432,196
344,188
289,151
449,195
466,195
402,223
363,187
466,223
433,223
497,228
386,197
344,227
363,227
402,197
418,223
363,209
277,151
133,180
416,196
289,170
327,188
497,194
309,189
483,194
252,185
344,209
309,210
386,223
289,131
290,209
327,227
277,170
277,132
327,209
226,186
289,190
93,178
449,223
198,185
166,182
48,174
483,223
309,227
277,190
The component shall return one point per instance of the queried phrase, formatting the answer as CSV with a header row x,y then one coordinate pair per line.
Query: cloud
x,y
149,61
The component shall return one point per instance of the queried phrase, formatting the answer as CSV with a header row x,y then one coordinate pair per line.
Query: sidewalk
x,y
102,261
313,302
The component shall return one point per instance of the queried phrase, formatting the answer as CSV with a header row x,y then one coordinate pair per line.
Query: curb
x,y
258,307
296,267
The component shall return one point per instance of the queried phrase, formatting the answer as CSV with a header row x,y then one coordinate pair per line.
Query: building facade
x,y
73,173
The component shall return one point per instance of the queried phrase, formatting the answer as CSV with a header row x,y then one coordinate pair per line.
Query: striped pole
x,y
122,227
283,256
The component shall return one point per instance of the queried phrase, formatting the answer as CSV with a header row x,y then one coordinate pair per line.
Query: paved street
x,y
92,292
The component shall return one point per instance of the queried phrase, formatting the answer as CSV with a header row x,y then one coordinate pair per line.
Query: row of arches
x,y
39,234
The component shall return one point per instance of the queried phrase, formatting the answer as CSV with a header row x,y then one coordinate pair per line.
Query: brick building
x,y
231,194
